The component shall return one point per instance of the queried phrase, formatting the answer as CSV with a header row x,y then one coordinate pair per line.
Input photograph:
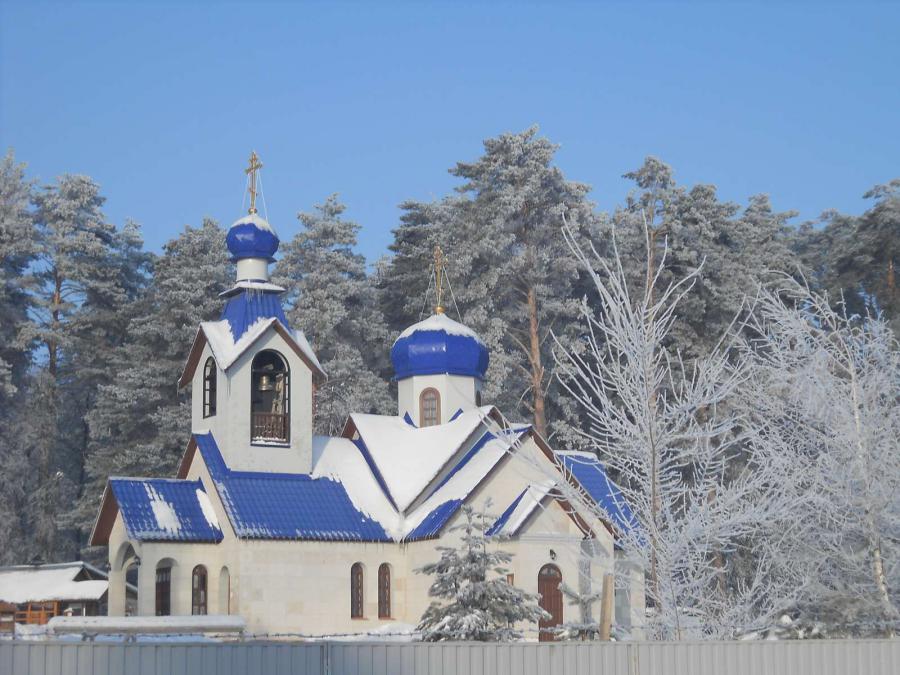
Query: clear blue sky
x,y
162,102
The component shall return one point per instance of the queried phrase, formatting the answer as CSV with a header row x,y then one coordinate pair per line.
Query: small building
x,y
36,593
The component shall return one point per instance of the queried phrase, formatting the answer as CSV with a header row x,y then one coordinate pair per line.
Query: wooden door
x,y
549,579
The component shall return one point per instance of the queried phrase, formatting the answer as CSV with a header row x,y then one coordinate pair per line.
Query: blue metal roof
x,y
434,522
263,505
433,352
161,509
501,521
249,306
591,475
251,237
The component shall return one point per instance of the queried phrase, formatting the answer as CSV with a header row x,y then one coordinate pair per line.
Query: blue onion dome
x,y
252,237
436,346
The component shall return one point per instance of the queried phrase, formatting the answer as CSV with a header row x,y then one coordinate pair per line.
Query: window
x,y
209,388
198,590
429,407
270,398
478,398
163,591
384,591
356,591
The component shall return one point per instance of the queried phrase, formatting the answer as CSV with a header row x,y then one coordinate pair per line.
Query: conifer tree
x,y
141,423
333,301
475,601
17,251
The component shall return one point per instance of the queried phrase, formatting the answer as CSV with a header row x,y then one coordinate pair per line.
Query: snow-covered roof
x,y
510,522
269,505
36,583
439,345
440,322
409,458
590,473
163,509
219,335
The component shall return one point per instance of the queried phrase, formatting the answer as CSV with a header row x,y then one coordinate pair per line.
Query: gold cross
x,y
438,279
255,165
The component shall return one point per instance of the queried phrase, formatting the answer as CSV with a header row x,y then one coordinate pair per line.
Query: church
x,y
311,535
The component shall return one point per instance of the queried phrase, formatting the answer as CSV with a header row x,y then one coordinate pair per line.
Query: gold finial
x,y
438,279
255,165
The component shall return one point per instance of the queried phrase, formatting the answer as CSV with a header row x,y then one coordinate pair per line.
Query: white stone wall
x,y
456,392
304,587
231,424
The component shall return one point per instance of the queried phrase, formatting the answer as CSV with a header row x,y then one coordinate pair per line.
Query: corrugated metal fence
x,y
838,657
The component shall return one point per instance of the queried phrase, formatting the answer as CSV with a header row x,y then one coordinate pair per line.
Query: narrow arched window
x,y
198,590
270,398
478,398
429,407
384,591
356,591
163,590
224,591
209,388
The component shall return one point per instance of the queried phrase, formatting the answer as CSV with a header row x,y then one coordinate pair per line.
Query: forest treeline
x,y
94,329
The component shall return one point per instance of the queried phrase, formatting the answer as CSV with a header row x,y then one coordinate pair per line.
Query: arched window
x,y
163,589
384,591
270,398
429,407
478,398
356,591
549,579
198,590
209,388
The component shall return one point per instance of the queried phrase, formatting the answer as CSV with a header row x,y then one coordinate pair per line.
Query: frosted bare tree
x,y
827,386
702,485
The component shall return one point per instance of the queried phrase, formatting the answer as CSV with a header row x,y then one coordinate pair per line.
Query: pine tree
x,y
17,251
141,423
333,301
78,284
476,601
857,258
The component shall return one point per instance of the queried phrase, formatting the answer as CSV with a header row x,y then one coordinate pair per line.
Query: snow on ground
x,y
122,625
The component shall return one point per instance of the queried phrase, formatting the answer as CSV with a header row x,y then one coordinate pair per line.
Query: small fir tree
x,y
476,601
586,627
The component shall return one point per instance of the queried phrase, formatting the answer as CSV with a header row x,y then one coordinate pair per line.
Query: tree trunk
x,y
537,367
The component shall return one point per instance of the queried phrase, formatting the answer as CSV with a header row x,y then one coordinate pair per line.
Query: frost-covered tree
x,y
586,627
513,276
140,424
697,480
17,251
84,273
857,258
826,386
724,249
475,601
333,301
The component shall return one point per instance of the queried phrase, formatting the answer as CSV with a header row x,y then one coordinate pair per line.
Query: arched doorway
x,y
549,579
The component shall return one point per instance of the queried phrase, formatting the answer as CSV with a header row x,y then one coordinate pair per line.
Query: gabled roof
x,y
226,350
158,509
72,581
406,458
268,505
511,521
590,474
